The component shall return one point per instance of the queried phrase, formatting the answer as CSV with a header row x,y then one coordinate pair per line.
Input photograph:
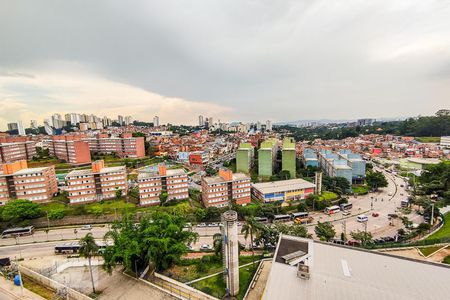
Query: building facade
x,y
97,183
70,148
267,154
289,156
284,190
124,146
17,181
15,148
244,158
220,190
152,184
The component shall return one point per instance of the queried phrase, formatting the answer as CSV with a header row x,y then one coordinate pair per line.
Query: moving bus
x,y
74,247
346,206
281,218
301,215
18,231
262,219
332,210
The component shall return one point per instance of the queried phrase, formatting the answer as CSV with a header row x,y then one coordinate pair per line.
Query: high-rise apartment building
x,y
155,121
17,181
128,120
70,148
244,158
96,184
201,121
17,126
220,190
33,124
268,125
152,184
288,156
267,154
120,120
16,148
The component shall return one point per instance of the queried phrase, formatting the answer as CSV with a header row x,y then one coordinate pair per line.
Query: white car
x,y
201,225
86,227
206,247
346,213
362,218
213,225
389,194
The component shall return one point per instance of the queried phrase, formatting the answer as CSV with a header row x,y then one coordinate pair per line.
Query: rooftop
x,y
283,185
341,272
89,171
26,171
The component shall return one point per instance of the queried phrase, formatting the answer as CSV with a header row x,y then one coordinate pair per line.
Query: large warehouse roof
x,y
283,185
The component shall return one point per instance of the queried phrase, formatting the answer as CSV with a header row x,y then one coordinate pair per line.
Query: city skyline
x,y
229,61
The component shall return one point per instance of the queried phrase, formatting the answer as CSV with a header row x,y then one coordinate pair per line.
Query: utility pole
x,y
344,230
432,214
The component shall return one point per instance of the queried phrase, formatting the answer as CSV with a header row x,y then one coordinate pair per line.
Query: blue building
x,y
310,158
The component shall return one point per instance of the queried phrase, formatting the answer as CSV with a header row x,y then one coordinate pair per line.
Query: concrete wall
x,y
72,294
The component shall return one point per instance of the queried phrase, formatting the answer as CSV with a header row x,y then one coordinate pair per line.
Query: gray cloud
x,y
266,59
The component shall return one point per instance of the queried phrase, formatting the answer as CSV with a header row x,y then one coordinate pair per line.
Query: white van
x,y
362,218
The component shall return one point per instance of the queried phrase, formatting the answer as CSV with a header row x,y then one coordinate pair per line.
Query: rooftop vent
x,y
303,272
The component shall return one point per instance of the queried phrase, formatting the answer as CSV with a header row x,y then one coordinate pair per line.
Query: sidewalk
x,y
11,292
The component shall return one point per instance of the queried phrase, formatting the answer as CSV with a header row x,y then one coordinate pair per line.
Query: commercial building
x,y
17,126
70,148
17,181
267,155
15,148
220,190
152,183
445,141
284,190
244,158
97,183
313,270
289,156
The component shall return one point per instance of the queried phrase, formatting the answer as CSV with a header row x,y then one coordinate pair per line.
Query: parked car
x,y
353,243
86,227
206,247
346,213
375,214
213,225
393,216
201,225
190,248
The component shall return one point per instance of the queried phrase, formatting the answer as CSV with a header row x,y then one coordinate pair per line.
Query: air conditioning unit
x,y
303,271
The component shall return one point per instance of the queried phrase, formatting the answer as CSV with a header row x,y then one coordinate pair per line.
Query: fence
x,y
70,294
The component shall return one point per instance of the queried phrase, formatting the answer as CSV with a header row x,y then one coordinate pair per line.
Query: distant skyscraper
x,y
120,120
17,126
128,120
201,122
155,121
12,126
269,125
33,124
258,126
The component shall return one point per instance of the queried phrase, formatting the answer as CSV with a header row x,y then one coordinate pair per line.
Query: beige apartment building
x,y
220,190
97,183
124,146
17,181
152,184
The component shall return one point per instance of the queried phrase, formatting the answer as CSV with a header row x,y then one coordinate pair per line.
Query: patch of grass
x,y
360,189
326,195
446,260
428,250
109,207
444,232
215,286
37,288
428,139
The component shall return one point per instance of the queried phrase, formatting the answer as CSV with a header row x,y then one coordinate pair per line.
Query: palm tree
x,y
250,227
89,248
217,243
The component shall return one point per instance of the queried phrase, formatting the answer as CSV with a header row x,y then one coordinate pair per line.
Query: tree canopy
x,y
325,231
157,240
376,179
19,210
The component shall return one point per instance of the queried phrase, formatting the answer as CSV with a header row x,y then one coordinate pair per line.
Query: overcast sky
x,y
233,60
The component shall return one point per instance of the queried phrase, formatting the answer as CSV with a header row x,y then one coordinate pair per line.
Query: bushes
x,y
56,214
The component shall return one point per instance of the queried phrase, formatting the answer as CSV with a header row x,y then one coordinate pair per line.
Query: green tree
x,y
19,210
250,227
325,231
163,197
362,236
218,244
158,240
118,193
376,180
88,249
